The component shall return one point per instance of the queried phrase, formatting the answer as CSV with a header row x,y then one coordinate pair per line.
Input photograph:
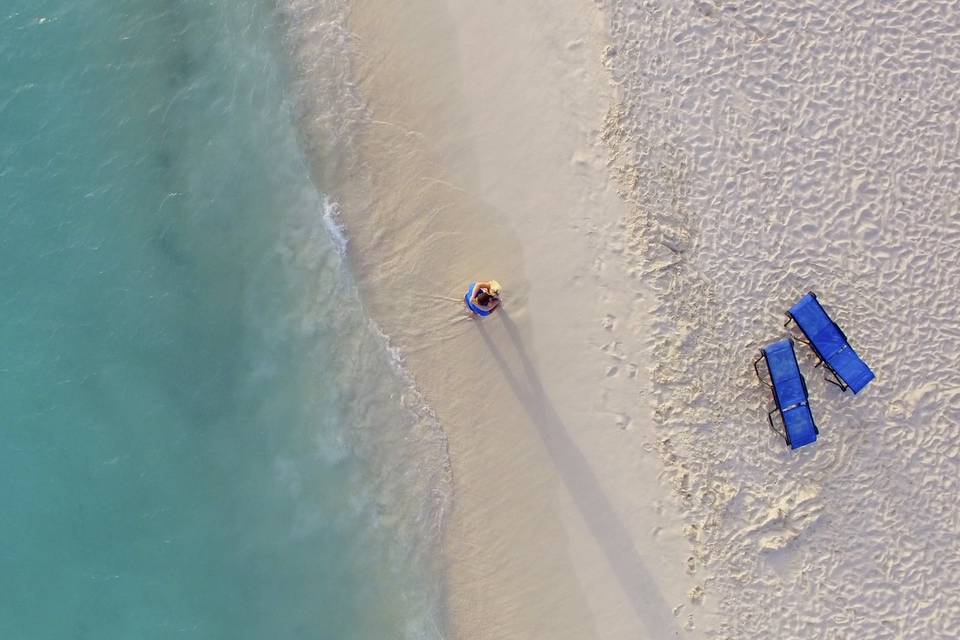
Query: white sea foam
x,y
385,422
331,221
413,489
330,107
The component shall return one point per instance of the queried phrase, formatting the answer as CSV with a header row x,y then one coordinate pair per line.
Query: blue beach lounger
x,y
830,344
789,392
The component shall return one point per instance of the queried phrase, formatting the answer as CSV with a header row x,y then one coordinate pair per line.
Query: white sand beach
x,y
768,150
654,183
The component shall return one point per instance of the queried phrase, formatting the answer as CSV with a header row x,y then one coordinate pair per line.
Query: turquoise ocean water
x,y
202,434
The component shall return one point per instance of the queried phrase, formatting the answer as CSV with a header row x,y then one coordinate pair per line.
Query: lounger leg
x,y
782,434
786,325
835,379
757,369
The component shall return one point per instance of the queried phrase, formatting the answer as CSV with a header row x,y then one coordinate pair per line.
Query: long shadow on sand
x,y
579,479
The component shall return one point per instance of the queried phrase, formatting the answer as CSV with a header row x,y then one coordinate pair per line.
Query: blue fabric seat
x,y
830,344
790,394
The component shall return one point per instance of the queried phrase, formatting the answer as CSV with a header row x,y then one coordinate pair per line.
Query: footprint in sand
x,y
612,349
599,265
696,594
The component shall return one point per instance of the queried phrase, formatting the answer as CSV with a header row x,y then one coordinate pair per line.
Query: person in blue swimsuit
x,y
483,298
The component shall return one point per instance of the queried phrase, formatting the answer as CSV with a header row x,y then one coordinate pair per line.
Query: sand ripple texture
x,y
770,148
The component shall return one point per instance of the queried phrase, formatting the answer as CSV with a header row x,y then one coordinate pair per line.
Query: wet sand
x,y
482,158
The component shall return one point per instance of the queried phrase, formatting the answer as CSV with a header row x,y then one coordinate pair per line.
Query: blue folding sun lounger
x,y
830,344
789,392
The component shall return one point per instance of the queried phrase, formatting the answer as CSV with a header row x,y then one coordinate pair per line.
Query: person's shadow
x,y
597,512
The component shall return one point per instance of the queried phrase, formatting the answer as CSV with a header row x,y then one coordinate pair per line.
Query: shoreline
x,y
482,158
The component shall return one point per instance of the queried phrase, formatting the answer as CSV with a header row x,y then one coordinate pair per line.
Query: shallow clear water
x,y
202,435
